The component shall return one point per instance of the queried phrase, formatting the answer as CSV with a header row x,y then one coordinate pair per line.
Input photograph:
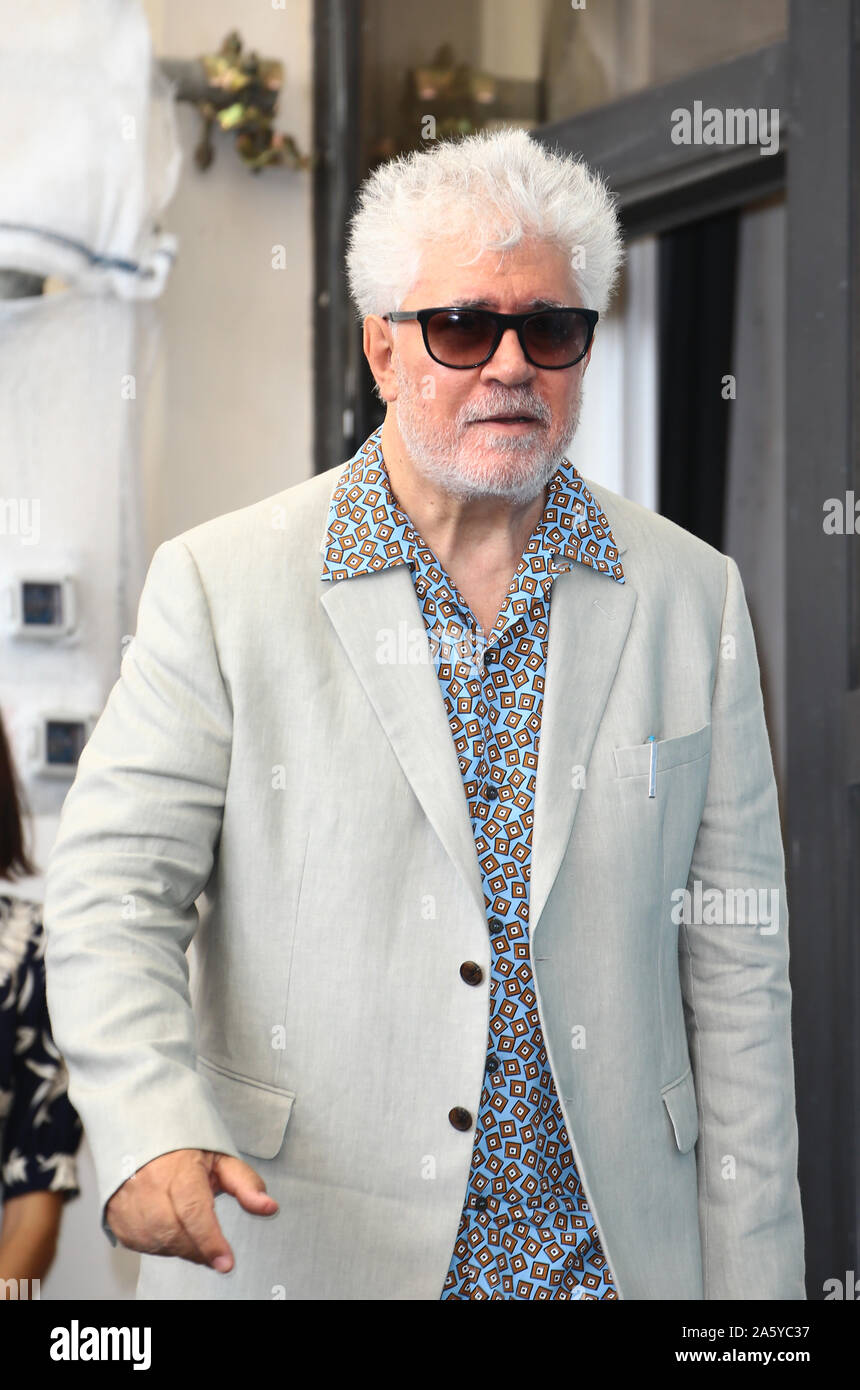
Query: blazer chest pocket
x,y
255,1114
635,761
679,1097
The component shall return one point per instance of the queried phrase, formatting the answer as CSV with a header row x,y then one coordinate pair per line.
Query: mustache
x,y
484,410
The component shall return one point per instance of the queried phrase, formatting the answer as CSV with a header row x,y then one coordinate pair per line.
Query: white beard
x,y
469,462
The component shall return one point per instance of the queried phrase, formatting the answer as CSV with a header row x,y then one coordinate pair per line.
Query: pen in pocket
x,y
652,777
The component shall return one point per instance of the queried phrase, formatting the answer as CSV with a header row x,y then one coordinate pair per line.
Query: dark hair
x,y
14,862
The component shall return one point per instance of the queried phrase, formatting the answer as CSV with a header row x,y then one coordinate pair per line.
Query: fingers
x,y
168,1206
243,1183
190,1194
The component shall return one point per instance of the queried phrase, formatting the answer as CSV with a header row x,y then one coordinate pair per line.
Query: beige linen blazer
x,y
264,792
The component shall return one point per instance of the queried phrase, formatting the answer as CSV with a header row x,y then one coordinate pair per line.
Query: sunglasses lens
x,y
464,337
460,337
556,339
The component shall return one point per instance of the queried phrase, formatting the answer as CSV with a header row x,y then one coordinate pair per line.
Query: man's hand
x,y
168,1206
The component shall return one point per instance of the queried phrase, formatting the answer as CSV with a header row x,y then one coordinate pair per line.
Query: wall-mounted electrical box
x,y
56,742
40,606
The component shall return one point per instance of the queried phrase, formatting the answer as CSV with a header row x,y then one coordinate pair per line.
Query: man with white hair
x,y
440,766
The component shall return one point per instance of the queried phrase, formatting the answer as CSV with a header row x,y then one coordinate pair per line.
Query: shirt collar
x,y
366,531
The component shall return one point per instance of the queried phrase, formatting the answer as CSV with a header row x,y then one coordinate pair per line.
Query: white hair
x,y
488,191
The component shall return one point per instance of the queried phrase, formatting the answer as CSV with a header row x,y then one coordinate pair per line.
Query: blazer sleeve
x,y
737,996
136,845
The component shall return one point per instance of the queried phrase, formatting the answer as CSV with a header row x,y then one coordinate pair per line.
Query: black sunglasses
x,y
462,338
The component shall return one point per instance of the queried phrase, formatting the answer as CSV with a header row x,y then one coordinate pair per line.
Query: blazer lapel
x,y
589,619
408,700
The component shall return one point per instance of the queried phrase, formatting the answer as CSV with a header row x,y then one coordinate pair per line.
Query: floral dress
x,y
40,1130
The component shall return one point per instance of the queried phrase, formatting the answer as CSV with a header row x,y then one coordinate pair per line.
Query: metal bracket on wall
x,y
240,93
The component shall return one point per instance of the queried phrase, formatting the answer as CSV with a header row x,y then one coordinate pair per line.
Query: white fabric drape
x,y
88,146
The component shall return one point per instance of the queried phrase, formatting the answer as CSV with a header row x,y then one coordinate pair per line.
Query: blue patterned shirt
x,y
526,1230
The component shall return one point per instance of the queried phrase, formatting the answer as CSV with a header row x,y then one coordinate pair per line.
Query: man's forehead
x,y
537,270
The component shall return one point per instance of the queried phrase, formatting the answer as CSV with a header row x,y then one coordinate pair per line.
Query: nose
x,y
508,363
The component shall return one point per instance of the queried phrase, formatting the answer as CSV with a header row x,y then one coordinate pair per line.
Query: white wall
x,y
617,440
231,413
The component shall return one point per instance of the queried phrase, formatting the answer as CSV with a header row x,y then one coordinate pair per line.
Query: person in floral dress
x,y
40,1131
